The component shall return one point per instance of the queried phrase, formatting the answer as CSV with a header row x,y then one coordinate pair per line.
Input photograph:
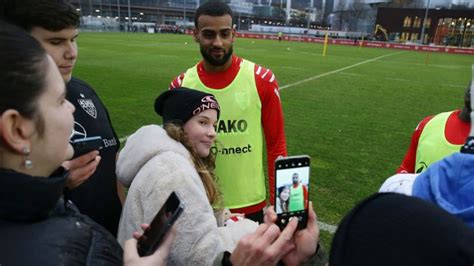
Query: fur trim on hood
x,y
146,143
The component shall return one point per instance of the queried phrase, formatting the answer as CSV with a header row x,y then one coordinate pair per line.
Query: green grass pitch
x,y
355,122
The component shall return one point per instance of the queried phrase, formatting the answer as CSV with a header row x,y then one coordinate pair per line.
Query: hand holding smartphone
x,y
161,224
85,145
292,190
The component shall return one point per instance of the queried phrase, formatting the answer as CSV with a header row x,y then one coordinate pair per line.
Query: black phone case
x,y
143,248
284,218
83,146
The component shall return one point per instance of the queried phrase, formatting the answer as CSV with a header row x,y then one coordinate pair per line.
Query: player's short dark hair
x,y
52,15
213,8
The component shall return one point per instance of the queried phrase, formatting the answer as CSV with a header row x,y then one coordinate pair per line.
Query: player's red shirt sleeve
x,y
272,121
408,163
305,193
177,81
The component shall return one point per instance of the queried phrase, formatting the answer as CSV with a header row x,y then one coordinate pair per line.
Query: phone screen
x,y
164,219
292,189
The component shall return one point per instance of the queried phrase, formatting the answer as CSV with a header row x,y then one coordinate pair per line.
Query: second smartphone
x,y
164,219
292,175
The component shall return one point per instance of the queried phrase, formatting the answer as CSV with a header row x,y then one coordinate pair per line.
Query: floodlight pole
x,y
424,22
81,12
310,11
129,17
238,27
184,14
118,9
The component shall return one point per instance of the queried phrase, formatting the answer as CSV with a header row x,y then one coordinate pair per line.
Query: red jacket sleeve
x,y
177,81
305,192
408,163
272,121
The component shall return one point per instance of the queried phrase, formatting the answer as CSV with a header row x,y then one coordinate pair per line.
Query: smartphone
x,y
85,145
292,189
164,219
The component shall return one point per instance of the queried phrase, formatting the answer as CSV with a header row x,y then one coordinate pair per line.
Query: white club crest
x,y
88,106
243,99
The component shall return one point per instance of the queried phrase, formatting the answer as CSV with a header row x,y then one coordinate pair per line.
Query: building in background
x,y
389,20
442,26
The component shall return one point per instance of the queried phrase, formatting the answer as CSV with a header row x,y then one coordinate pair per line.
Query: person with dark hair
x,y
436,137
392,229
92,184
37,226
176,157
298,194
251,110
282,199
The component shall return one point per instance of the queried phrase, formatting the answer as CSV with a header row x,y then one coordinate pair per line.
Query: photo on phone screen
x,y
292,189
163,221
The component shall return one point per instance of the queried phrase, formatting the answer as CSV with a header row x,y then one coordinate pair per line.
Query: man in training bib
x,y
251,109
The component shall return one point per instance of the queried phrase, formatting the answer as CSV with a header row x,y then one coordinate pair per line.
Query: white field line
x,y
419,64
337,71
350,74
122,139
327,227
454,85
397,79
322,225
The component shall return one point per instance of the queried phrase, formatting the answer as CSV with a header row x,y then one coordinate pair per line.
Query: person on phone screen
x,y
251,112
92,183
282,199
176,157
298,195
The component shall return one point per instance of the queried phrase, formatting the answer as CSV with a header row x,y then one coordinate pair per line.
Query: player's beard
x,y
217,61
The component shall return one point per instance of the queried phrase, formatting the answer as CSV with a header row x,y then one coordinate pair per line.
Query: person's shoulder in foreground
x,y
393,229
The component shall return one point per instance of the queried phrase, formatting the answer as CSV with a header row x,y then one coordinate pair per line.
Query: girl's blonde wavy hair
x,y
205,166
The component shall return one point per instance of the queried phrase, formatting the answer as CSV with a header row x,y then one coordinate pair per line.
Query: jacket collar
x,y
29,198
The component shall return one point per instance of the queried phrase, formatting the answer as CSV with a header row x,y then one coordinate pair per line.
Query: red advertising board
x,y
413,47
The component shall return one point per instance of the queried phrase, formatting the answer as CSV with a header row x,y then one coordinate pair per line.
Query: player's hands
x,y
266,246
81,168
131,257
305,240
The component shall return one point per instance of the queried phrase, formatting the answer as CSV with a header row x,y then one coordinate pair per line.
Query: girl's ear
x,y
16,131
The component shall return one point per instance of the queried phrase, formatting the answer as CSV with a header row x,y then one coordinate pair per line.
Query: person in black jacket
x,y
37,226
392,229
92,184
